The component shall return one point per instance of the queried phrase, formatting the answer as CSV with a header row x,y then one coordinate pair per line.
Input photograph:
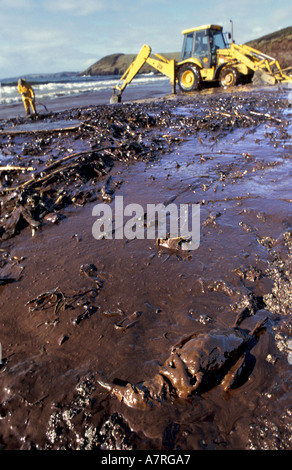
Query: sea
x,y
48,87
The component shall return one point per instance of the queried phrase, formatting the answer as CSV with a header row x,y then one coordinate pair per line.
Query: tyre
x,y
189,78
228,77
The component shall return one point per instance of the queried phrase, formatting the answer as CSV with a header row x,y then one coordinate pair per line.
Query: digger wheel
x,y
228,77
189,78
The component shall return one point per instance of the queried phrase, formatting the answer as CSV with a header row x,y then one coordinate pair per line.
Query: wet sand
x,y
230,152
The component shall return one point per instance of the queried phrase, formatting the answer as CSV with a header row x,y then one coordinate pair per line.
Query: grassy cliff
x,y
277,44
117,64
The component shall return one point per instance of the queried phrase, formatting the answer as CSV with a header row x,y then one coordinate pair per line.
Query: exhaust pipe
x,y
231,31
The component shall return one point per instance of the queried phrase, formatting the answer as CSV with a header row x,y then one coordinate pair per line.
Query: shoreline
x,y
65,103
132,93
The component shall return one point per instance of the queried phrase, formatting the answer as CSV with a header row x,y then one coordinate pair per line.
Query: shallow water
x,y
151,87
50,395
41,126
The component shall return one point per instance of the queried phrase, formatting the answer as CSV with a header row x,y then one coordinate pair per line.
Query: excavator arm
x,y
163,65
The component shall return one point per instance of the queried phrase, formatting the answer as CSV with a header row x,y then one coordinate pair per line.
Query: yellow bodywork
x,y
244,59
206,74
204,26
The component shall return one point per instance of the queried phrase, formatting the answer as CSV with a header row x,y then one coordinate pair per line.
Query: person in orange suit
x,y
28,96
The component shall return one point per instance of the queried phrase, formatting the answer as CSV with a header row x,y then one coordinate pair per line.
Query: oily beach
x,y
97,335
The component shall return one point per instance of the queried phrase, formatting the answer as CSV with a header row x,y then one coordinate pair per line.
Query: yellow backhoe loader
x,y
206,57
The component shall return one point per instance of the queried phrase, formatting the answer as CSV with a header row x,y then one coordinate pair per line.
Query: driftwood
x,y
16,168
245,116
29,202
45,174
11,131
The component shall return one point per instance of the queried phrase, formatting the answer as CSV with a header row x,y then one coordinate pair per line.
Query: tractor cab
x,y
202,43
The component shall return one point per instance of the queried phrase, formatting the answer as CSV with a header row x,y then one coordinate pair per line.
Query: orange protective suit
x,y
28,96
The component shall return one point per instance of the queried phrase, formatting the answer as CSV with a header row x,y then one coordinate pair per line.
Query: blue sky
x,y
38,36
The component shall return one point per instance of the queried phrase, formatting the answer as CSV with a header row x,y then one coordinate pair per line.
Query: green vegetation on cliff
x,y
117,64
278,45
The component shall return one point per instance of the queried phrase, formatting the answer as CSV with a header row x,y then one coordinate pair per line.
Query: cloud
x,y
77,7
18,5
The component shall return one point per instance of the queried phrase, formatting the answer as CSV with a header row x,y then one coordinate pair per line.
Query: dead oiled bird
x,y
196,364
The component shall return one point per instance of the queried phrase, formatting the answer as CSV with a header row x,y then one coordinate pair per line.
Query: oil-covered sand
x,y
62,331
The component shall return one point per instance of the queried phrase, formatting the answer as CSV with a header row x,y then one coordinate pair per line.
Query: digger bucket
x,y
130,73
261,77
115,98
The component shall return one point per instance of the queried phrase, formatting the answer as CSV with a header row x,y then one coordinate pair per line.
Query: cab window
x,y
201,44
218,40
188,47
